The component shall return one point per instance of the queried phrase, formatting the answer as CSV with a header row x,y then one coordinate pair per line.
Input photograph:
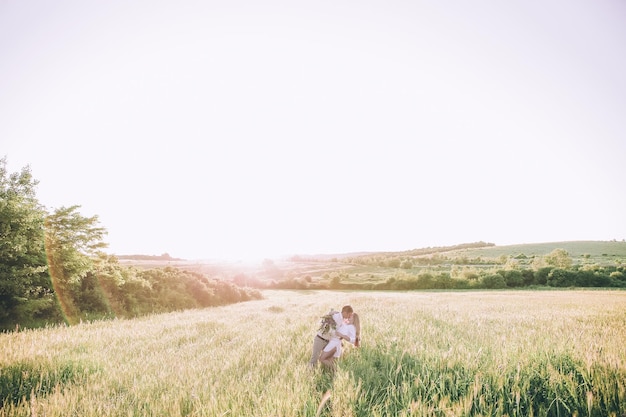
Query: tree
x,y
23,270
72,244
406,264
559,277
541,275
513,278
335,281
558,258
493,281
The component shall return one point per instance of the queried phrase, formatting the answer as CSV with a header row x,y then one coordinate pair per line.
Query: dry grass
x,y
424,353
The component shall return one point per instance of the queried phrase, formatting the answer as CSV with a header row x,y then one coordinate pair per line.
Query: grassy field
x,y
598,251
321,268
515,353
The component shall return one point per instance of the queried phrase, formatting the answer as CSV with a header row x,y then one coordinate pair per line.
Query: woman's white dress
x,y
346,329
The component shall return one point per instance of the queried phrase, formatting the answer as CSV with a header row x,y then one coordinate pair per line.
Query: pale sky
x,y
245,129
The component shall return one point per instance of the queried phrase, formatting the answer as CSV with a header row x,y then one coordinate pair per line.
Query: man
x,y
321,339
332,351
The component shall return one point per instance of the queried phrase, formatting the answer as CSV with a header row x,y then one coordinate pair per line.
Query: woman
x,y
332,351
323,334
357,326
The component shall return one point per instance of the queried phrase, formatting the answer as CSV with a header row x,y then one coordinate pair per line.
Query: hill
x,y
590,250
467,264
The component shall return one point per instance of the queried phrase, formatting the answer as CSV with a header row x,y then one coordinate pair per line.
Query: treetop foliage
x,y
53,270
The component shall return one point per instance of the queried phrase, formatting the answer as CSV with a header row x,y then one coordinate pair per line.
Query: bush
x,y
562,278
541,275
493,281
513,278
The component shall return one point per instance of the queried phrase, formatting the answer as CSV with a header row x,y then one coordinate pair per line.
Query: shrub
x,y
513,278
493,281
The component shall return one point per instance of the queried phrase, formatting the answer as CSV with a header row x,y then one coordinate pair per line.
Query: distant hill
x,y
163,257
448,264
576,249
411,252
591,250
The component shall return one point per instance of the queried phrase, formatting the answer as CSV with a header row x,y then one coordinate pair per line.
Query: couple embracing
x,y
335,327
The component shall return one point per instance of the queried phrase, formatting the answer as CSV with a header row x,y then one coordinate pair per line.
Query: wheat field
x,y
489,353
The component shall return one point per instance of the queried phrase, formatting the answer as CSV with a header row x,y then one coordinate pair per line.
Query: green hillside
x,y
464,266
595,250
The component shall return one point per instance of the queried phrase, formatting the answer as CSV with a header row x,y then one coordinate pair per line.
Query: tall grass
x,y
544,353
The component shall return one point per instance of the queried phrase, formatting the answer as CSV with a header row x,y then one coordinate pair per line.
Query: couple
x,y
335,328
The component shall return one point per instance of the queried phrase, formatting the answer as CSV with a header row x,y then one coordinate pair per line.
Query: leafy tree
x,y
335,281
541,275
23,270
425,280
443,281
72,243
513,278
528,276
559,277
558,258
493,281
590,278
618,278
406,264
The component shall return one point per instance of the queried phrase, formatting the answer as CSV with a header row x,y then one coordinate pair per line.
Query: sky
x,y
252,130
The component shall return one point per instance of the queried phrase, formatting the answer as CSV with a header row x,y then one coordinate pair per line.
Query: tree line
x,y
53,269
548,276
611,277
399,271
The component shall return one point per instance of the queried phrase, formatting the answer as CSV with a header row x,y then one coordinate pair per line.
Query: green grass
x,y
19,381
515,353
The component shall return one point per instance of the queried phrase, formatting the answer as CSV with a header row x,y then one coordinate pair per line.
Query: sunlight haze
x,y
245,130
